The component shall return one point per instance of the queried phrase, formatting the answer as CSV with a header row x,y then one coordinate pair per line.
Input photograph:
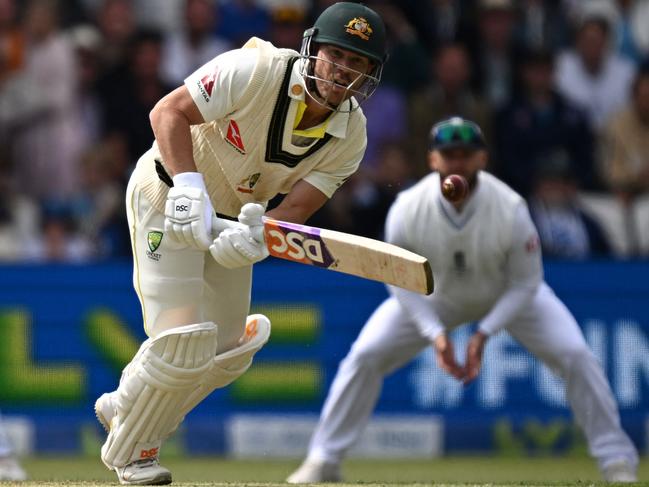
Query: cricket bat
x,y
347,253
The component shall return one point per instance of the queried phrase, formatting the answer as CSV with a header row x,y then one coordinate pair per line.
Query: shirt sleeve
x,y
217,86
329,180
418,306
524,271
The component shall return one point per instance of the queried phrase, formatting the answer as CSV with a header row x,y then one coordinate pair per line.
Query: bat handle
x,y
220,224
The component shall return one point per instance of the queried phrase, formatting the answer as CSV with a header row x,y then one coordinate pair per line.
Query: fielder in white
x,y
250,124
485,256
10,469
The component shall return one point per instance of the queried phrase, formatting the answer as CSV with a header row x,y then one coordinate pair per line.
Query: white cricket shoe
x,y
10,470
143,472
619,471
105,410
315,472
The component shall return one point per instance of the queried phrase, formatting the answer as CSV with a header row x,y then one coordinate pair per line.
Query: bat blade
x,y
350,254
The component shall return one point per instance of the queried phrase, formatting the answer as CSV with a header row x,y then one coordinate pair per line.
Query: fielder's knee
x,y
367,359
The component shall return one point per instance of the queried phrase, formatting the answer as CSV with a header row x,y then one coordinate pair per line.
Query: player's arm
x,y
171,119
188,210
299,204
525,273
419,307
208,94
238,247
309,194
245,245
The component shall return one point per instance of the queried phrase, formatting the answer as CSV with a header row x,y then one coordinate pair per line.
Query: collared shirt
x,y
335,125
249,125
217,96
485,258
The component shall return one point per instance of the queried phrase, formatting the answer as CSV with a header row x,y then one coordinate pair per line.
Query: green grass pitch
x,y
449,471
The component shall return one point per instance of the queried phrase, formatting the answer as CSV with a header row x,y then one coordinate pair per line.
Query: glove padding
x,y
242,244
188,216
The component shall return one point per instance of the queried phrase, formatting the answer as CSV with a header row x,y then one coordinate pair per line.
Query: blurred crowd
x,y
560,87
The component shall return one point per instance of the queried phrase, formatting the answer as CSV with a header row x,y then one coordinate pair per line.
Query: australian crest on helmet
x,y
360,27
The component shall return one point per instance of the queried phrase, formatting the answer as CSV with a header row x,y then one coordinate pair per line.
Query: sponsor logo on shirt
x,y
206,85
247,185
233,137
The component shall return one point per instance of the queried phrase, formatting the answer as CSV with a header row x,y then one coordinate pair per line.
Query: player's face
x,y
338,72
465,162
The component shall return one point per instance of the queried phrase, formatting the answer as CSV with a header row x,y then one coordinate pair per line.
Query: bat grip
x,y
220,224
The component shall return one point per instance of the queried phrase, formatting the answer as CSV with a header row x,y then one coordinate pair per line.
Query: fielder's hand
x,y
445,354
242,244
188,211
474,351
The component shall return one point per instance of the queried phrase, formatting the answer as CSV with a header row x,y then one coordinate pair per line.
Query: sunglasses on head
x,y
463,132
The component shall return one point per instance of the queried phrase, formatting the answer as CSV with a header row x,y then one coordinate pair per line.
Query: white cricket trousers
x,y
546,328
178,285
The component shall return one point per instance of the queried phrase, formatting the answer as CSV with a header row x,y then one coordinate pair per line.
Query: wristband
x,y
189,179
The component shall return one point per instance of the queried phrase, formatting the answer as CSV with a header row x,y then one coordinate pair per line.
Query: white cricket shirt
x,y
486,259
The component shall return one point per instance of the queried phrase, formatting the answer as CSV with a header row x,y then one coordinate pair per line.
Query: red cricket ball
x,y
455,188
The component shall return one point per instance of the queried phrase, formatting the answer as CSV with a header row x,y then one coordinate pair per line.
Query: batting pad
x,y
228,366
150,397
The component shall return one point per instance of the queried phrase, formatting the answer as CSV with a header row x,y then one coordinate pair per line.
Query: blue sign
x,y
67,331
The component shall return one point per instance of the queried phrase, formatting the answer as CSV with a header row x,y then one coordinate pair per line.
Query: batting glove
x,y
242,244
188,211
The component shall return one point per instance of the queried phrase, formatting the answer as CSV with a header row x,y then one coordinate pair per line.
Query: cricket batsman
x,y
485,255
250,124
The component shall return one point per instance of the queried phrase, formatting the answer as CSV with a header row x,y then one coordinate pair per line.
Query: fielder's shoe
x,y
619,471
104,410
10,470
143,472
315,472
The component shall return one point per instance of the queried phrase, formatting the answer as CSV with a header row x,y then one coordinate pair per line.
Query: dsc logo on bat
x,y
298,246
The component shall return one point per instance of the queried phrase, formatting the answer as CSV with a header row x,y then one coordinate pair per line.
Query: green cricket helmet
x,y
351,26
